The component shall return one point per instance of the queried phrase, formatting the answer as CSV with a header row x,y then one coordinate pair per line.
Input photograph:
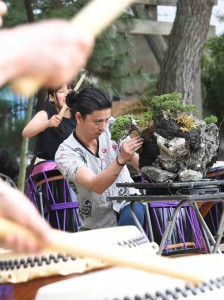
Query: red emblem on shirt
x,y
114,146
104,150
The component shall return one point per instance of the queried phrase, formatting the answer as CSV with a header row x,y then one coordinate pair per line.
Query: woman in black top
x,y
50,128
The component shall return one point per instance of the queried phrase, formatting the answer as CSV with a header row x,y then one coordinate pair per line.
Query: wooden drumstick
x,y
93,19
91,244
62,111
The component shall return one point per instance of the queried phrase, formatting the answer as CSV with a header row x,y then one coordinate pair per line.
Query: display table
x,y
183,192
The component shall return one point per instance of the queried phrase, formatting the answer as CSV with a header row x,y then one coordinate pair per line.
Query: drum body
x,y
53,196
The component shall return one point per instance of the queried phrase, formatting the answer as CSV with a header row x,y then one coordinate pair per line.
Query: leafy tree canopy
x,y
109,65
213,76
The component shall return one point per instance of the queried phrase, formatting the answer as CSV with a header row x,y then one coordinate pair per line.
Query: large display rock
x,y
171,154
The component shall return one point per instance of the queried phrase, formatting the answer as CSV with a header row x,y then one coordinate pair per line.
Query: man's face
x,y
94,124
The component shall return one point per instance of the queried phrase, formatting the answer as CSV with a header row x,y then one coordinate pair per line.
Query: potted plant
x,y
177,146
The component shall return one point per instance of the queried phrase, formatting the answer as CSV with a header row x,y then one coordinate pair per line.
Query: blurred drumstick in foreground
x,y
93,19
62,111
91,244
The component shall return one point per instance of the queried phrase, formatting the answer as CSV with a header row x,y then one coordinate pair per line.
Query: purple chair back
x,y
53,197
186,236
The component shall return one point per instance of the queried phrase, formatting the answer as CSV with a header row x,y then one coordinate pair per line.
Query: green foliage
x,y
10,125
213,77
216,46
168,105
148,116
16,14
108,66
123,126
11,137
211,119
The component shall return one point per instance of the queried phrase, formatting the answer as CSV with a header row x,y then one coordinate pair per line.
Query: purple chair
x,y
186,235
214,215
53,197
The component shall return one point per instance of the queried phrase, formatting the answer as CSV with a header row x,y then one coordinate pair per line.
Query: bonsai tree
x,y
124,125
177,146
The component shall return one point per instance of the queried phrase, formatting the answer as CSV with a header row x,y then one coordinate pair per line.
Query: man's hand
x,y
129,148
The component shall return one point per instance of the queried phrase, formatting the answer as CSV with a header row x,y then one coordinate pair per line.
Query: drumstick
x,y
62,111
91,244
93,19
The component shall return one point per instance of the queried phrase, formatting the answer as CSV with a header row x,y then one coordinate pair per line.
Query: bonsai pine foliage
x,y
167,115
124,125
169,105
211,119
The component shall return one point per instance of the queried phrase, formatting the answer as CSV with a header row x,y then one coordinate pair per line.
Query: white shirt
x,y
95,210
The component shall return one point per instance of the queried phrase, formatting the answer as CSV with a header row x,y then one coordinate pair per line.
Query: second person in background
x,y
48,126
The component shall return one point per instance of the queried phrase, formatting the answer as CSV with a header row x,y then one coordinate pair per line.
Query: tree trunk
x,y
182,58
25,141
157,43
24,150
29,11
